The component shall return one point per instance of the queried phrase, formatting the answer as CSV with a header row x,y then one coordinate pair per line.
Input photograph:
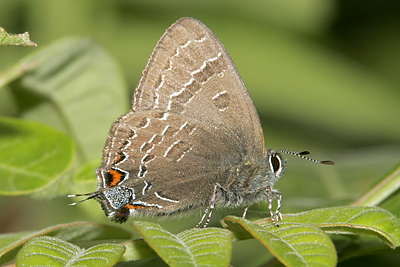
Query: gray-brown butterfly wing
x,y
192,123
170,164
191,73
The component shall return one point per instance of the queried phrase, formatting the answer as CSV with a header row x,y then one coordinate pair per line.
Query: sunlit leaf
x,y
351,220
194,247
33,156
51,251
293,244
76,87
77,232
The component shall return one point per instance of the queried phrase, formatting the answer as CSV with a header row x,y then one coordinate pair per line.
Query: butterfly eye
x,y
275,163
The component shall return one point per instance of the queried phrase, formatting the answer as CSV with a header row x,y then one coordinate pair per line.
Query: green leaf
x,y
292,244
77,232
76,87
352,220
86,175
392,204
384,189
85,179
13,73
194,247
15,39
136,250
362,246
33,156
52,251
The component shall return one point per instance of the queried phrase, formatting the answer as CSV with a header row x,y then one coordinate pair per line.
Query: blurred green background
x,y
324,76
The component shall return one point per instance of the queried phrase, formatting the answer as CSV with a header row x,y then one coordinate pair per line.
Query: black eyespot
x,y
275,163
107,177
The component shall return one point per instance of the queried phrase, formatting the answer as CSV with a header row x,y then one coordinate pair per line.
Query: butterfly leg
x,y
271,195
278,208
209,210
245,212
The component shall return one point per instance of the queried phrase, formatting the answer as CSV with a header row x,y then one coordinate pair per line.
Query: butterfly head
x,y
275,164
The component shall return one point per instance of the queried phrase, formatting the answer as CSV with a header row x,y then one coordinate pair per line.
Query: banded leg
x,y
245,212
209,209
278,208
277,215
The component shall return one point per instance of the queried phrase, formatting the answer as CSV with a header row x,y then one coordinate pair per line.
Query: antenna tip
x,y
329,162
304,153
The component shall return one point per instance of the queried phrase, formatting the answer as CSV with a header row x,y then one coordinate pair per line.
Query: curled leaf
x,y
352,220
15,39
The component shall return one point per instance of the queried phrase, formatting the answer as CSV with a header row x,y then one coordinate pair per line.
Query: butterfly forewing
x,y
191,127
191,73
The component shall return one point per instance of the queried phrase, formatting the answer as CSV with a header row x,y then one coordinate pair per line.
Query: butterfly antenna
x,y
90,196
301,155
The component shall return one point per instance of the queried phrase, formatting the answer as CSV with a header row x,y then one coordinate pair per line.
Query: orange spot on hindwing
x,y
136,206
114,177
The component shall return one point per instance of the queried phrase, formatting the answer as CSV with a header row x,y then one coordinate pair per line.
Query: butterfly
x,y
191,140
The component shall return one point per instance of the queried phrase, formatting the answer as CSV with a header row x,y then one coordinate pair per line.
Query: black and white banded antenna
x,y
301,155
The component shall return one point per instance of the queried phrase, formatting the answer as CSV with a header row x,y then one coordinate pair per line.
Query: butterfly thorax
x,y
251,181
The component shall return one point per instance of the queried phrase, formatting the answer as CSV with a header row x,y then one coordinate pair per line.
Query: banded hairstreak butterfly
x,y
192,139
